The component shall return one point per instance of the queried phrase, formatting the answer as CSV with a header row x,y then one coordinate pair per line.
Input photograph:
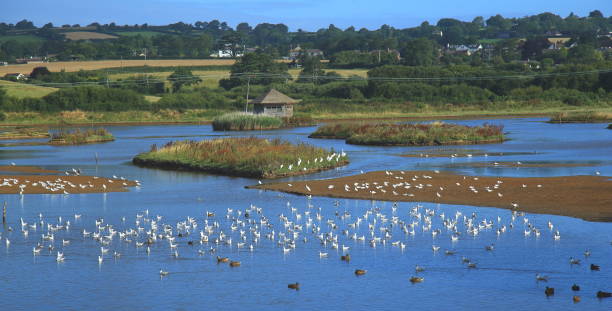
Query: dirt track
x,y
586,197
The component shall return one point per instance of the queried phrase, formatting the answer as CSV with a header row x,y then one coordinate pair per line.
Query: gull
x,y
163,273
541,278
60,257
100,259
307,188
322,255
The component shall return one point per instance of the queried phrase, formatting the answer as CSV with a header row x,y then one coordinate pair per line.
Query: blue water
x,y
504,278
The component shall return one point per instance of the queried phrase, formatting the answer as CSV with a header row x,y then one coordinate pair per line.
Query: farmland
x,y
103,64
22,90
87,35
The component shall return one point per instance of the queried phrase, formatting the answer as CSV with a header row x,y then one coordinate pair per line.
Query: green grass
x,y
23,90
423,134
245,156
78,137
581,117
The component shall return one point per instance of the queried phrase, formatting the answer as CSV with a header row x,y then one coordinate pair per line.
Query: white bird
x,y
100,259
163,273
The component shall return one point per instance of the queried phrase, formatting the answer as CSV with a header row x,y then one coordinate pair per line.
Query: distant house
x,y
296,52
463,49
15,76
3,63
274,103
557,42
31,60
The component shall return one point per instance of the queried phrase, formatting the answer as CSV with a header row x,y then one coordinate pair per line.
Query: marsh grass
x,y
244,156
581,117
78,137
240,121
420,134
23,133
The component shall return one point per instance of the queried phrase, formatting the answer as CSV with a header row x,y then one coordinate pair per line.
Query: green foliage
x,y
143,84
357,59
91,98
437,133
581,117
420,52
249,157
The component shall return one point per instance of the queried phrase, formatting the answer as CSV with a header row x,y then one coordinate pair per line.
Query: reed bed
x,y
240,121
23,133
78,137
581,117
422,134
244,156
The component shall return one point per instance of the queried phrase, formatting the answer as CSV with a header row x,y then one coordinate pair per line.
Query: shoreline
x,y
585,197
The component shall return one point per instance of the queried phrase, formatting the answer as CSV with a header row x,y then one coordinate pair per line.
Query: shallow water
x,y
504,278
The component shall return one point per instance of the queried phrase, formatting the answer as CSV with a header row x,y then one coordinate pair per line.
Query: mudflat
x,y
586,197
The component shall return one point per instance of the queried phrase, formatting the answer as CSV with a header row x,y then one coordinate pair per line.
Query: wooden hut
x,y
274,103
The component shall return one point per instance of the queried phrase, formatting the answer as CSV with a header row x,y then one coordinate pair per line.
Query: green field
x,y
144,33
21,38
22,90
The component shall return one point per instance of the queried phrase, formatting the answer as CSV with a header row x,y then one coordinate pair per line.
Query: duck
x,y
544,278
222,259
602,294
418,269
416,279
360,272
295,286
234,264
575,287
549,291
576,299
594,267
163,273
346,257
574,261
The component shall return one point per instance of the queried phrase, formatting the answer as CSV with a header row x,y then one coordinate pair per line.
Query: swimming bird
x,y
222,259
549,291
234,264
346,257
418,269
594,267
602,294
60,257
295,286
163,273
416,279
575,287
100,259
576,299
360,272
574,261
322,255
541,278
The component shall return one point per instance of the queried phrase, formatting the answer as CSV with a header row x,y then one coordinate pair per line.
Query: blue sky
x,y
308,15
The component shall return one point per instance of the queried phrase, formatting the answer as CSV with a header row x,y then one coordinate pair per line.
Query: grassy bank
x,y
78,137
238,121
79,117
247,157
22,133
391,134
581,117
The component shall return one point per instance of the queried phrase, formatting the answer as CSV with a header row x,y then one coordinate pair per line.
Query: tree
x,y
596,14
256,68
533,47
182,77
39,72
420,52
311,70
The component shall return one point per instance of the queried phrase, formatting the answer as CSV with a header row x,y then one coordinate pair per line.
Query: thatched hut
x,y
274,103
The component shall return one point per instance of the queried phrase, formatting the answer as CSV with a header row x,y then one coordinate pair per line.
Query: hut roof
x,y
273,97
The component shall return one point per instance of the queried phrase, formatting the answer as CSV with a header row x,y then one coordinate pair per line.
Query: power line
x,y
250,75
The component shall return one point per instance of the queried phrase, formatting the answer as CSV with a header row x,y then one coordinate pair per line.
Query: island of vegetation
x,y
78,137
244,156
23,133
240,121
421,134
581,117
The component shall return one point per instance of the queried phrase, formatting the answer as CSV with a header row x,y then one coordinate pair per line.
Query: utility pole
x,y
246,105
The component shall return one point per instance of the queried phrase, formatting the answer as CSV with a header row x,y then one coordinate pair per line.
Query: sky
x,y
297,14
